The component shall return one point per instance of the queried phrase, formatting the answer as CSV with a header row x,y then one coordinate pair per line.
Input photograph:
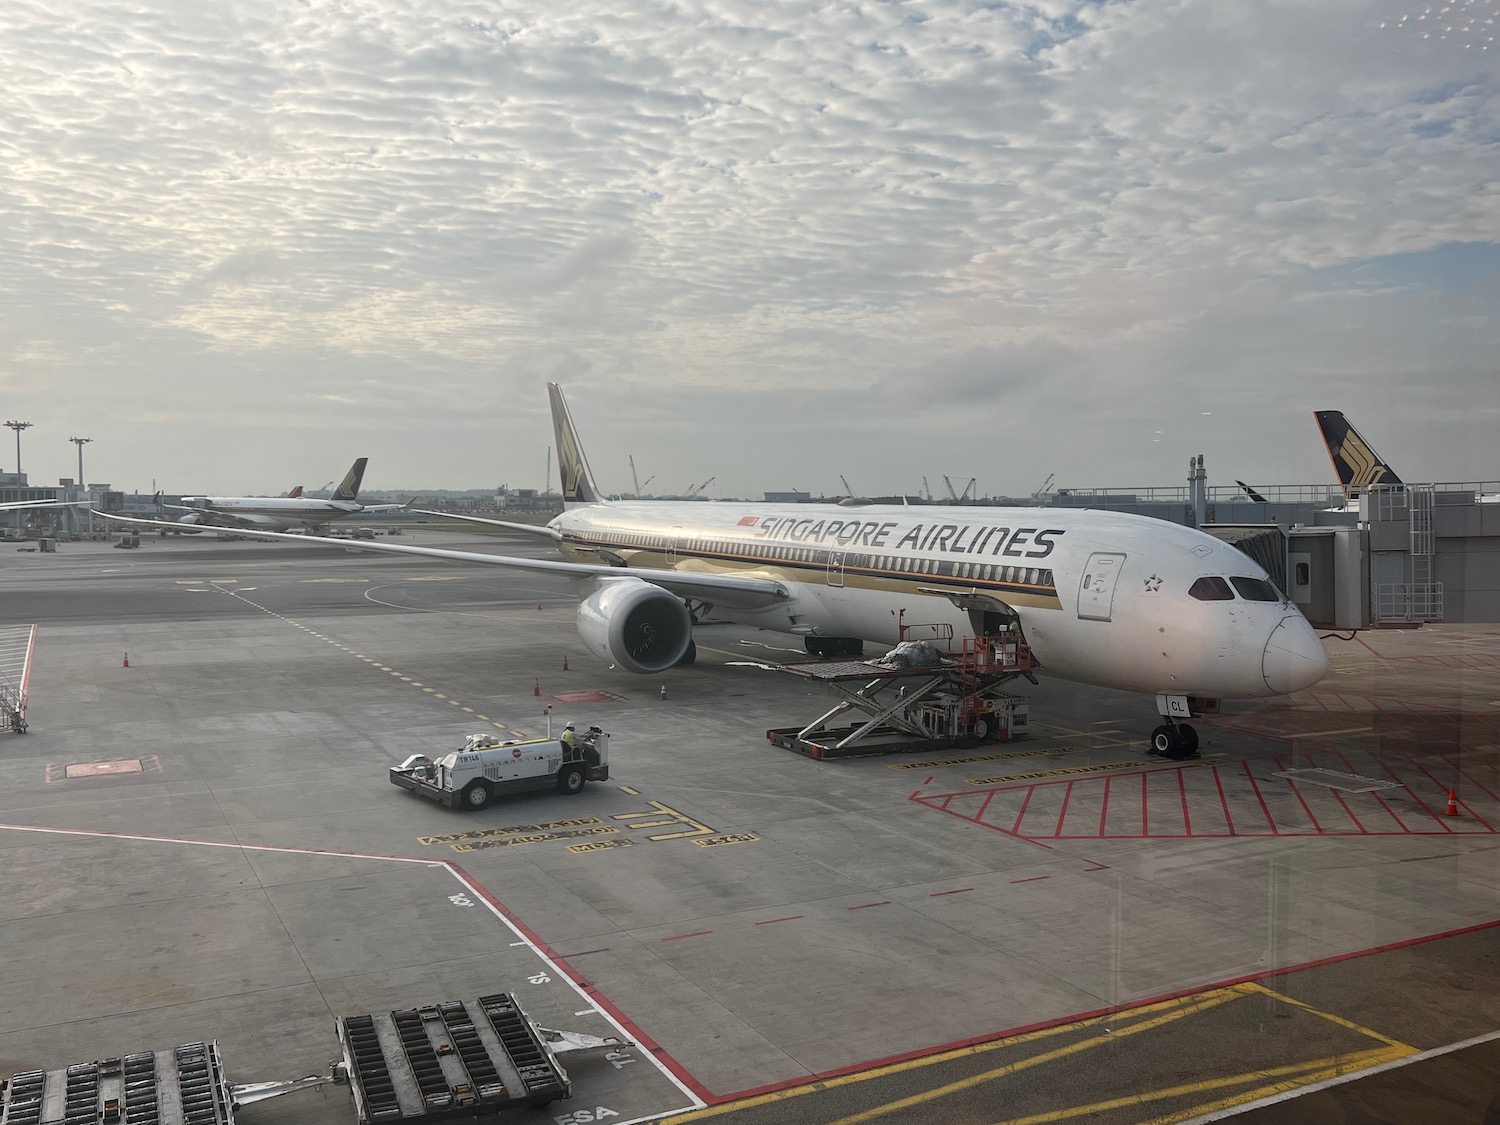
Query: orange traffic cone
x,y
1452,802
663,694
565,662
536,687
126,664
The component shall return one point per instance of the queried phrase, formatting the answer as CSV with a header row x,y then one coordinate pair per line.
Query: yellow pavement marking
x,y
1304,1072
1143,1013
1324,1070
1340,1020
672,817
374,662
1205,1001
189,581
632,792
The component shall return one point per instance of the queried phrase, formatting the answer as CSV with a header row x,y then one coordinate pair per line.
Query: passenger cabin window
x,y
1256,590
1211,589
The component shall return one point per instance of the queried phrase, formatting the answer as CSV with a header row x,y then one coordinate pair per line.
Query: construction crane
x,y
701,487
926,491
958,498
849,492
1046,484
637,480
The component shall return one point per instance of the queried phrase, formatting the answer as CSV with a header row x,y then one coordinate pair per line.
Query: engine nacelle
x,y
634,624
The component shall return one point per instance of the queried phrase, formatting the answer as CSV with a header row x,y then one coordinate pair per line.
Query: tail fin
x,y
1356,463
295,494
1255,497
348,488
577,482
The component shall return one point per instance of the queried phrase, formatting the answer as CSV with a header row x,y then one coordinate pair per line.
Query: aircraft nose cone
x,y
1294,657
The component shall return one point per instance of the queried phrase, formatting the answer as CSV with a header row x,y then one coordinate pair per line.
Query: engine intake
x,y
634,624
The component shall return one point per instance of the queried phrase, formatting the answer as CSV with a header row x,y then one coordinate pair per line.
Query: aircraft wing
x,y
16,505
530,528
717,588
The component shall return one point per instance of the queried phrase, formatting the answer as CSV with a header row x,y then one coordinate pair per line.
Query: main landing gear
x,y
1174,738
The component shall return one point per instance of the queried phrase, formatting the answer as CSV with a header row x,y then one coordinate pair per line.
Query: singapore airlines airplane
x,y
1103,598
1358,465
269,513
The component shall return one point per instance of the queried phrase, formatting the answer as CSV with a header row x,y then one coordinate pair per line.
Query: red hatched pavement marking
x,y
1232,799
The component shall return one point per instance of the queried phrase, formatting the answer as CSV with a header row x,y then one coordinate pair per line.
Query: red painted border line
x,y
867,905
773,921
585,985
1292,784
583,953
958,1045
1097,866
1033,879
1263,808
1063,812
695,933
1223,800
940,894
1015,829
1104,809
1441,787
1187,820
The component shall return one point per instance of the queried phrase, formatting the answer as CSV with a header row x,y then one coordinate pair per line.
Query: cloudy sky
x,y
770,242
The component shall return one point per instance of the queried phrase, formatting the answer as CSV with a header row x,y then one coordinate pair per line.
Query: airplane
x,y
1358,466
1104,598
266,513
1356,463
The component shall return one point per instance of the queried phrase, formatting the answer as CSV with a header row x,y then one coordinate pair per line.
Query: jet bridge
x,y
957,701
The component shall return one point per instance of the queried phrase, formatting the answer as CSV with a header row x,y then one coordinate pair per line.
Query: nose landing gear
x,y
1174,738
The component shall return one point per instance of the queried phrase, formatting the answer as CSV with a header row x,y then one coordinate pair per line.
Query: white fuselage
x,y
1102,597
274,513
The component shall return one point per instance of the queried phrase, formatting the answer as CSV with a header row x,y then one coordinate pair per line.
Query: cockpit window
x,y
1256,590
1211,588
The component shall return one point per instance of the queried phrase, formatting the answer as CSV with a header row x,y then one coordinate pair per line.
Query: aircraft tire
x,y
570,780
689,655
476,795
1164,741
1189,736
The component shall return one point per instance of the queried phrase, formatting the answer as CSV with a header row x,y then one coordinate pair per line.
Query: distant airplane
x,y
273,513
1104,598
1250,492
1358,466
1356,463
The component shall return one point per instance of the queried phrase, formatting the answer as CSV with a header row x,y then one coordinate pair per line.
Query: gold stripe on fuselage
x,y
1019,589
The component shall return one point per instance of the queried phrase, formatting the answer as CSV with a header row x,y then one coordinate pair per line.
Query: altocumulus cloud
x,y
795,230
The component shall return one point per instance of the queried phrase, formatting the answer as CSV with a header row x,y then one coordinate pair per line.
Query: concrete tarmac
x,y
205,844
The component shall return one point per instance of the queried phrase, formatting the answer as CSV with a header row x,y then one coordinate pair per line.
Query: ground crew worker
x,y
572,751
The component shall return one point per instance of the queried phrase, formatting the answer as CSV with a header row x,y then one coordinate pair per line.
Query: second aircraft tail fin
x,y
348,488
577,481
1355,461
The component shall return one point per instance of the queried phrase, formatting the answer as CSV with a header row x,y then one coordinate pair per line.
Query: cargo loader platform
x,y
956,702
442,1062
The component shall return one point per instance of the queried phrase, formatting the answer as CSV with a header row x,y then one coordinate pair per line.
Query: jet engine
x,y
634,624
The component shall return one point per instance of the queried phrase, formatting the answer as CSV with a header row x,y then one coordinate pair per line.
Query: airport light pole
x,y
18,427
80,442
